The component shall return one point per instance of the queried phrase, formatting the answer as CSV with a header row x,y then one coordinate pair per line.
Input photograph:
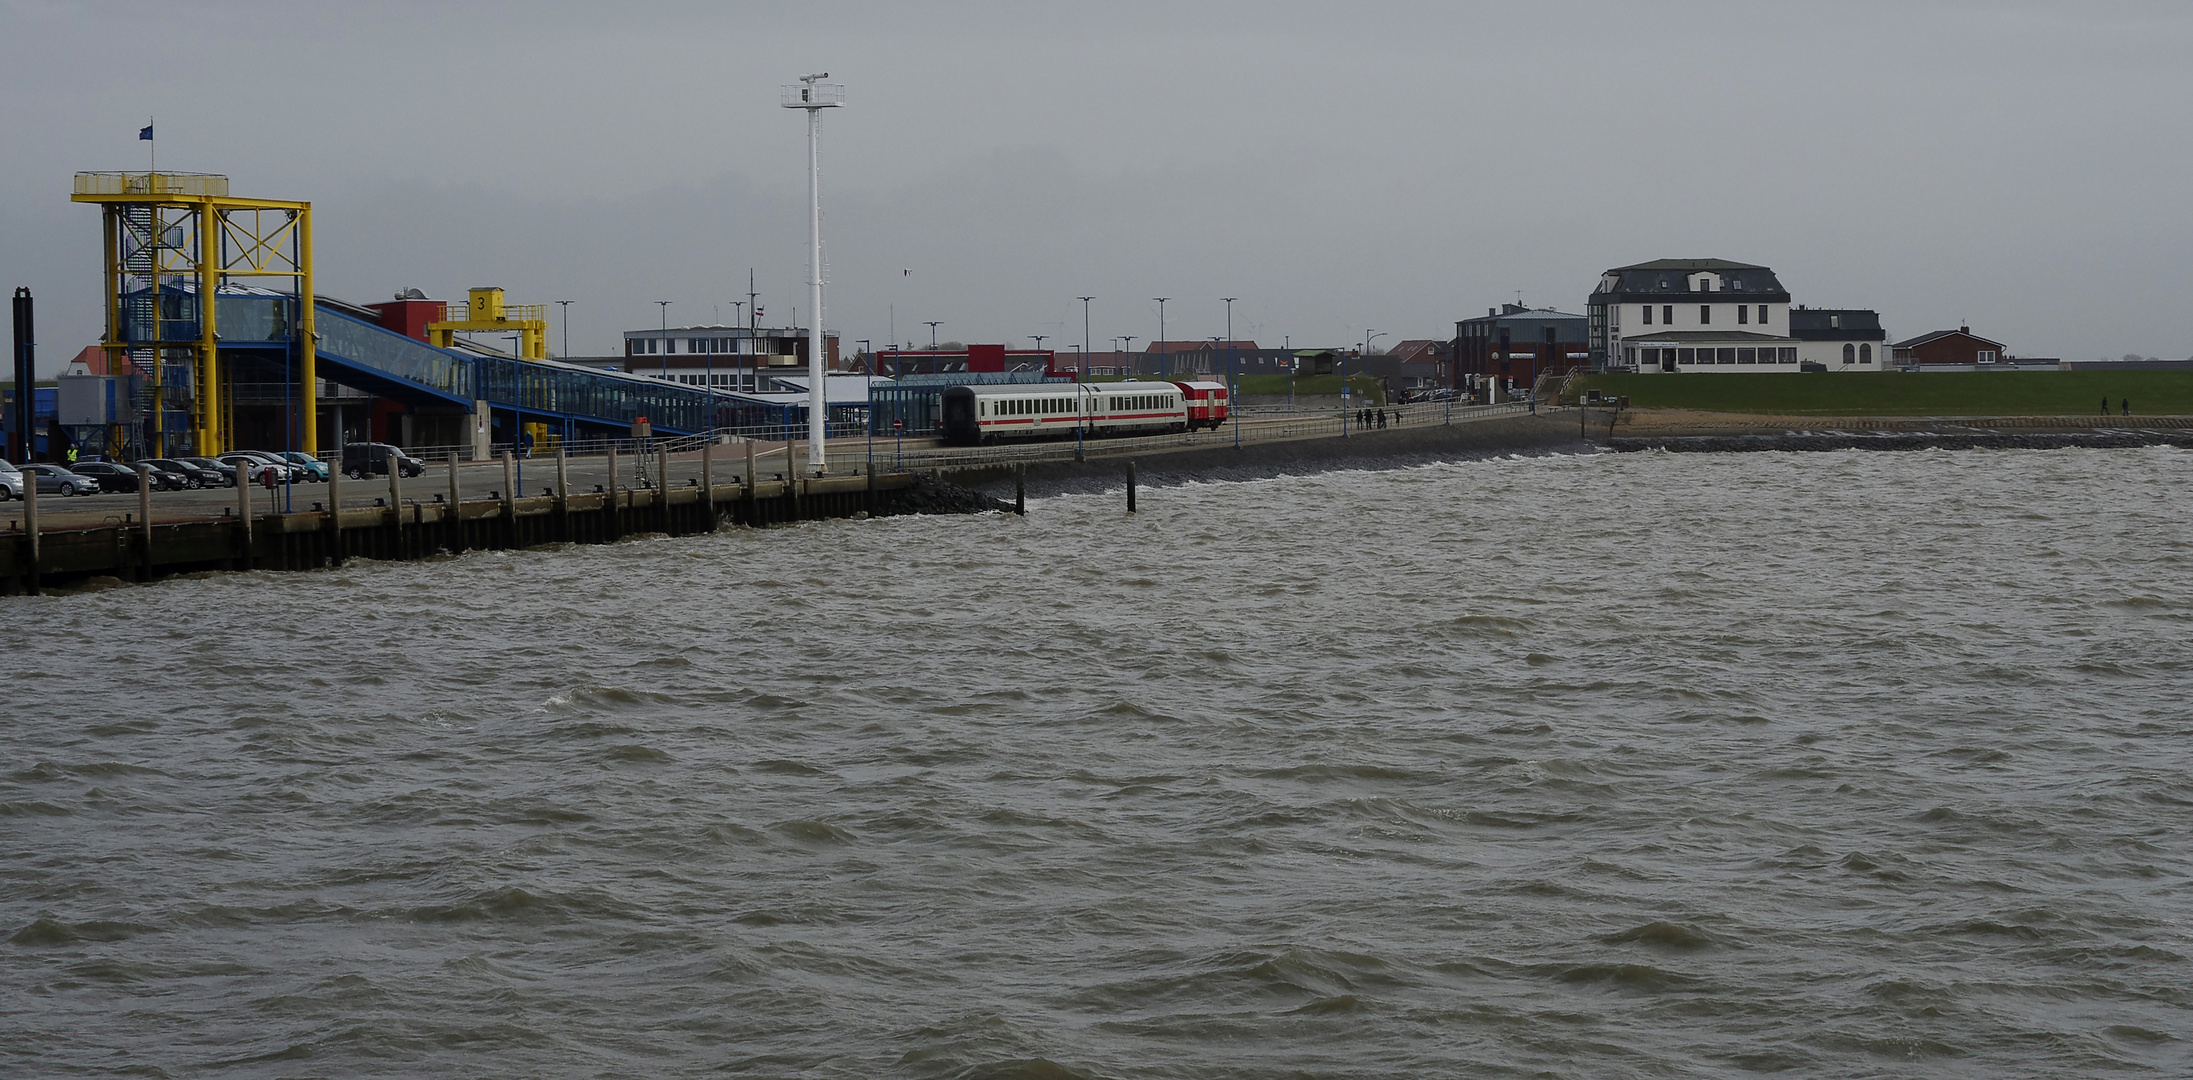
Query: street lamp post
x,y
1165,360
566,306
1367,336
1233,392
868,351
665,305
1129,353
1085,324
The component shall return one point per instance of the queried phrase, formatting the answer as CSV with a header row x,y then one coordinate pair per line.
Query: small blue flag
x,y
144,134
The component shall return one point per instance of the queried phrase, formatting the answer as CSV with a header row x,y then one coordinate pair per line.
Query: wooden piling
x,y
1130,487
335,516
453,520
243,515
708,484
746,489
791,480
510,501
609,509
662,488
144,518
30,530
1020,489
396,506
563,496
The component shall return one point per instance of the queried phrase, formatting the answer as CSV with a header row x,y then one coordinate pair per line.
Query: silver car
x,y
11,481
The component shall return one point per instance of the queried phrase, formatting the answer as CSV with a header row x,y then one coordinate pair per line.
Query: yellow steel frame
x,y
224,237
485,313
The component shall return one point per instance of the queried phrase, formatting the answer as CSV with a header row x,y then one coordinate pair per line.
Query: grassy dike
x,y
1899,393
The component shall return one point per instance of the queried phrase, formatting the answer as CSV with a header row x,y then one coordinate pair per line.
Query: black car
x,y
163,477
196,476
108,475
363,459
227,472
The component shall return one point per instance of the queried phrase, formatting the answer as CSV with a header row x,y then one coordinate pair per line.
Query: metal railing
x,y
155,183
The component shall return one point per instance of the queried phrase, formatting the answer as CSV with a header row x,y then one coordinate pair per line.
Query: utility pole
x,y
813,95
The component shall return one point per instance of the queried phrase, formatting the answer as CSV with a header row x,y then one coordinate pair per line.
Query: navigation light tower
x,y
814,95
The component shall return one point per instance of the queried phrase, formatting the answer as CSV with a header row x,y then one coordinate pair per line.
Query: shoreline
x,y
1389,448
1688,431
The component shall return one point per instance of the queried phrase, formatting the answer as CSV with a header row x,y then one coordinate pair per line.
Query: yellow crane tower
x,y
486,313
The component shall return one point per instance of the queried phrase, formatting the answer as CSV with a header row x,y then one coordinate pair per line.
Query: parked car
x,y
257,470
283,469
315,470
194,476
294,471
226,470
11,481
60,481
164,478
108,475
363,459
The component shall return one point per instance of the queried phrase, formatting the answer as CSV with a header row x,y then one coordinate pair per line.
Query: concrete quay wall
x,y
144,551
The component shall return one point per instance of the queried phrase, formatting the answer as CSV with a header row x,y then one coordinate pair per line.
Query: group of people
x,y
1368,418
2126,402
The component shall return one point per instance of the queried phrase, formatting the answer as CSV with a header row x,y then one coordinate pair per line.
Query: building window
x,y
1737,284
1747,356
1835,322
1789,356
1865,354
1850,353
1648,314
1705,314
1686,356
1725,356
1762,314
1743,314
1667,314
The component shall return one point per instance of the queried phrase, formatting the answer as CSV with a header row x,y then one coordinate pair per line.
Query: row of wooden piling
x,y
142,550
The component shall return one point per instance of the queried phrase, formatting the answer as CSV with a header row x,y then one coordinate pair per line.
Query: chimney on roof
x,y
1964,330
1490,312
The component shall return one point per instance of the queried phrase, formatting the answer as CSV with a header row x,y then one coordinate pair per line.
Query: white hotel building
x,y
1680,315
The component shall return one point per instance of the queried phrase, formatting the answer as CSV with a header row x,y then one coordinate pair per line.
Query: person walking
x,y
2128,406
2105,405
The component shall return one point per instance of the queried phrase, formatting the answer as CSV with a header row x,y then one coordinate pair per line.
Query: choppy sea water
x,y
1644,765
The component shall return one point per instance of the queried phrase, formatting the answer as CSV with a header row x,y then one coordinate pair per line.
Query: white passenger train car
x,y
984,414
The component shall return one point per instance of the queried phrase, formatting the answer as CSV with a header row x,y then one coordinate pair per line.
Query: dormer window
x,y
1738,285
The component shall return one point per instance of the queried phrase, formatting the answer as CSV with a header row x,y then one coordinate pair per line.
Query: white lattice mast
x,y
814,95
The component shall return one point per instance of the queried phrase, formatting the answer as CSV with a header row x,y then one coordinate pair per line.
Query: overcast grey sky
x,y
1394,166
